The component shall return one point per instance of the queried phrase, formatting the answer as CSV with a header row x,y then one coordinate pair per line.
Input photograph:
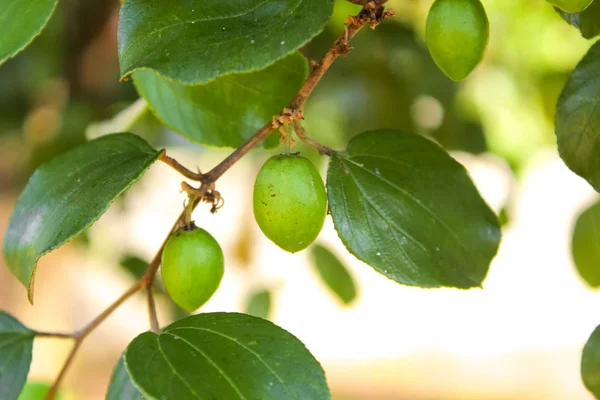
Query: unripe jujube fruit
x,y
457,36
192,267
290,202
571,6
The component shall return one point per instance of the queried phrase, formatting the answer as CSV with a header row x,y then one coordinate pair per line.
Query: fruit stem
x,y
189,208
288,139
152,315
302,135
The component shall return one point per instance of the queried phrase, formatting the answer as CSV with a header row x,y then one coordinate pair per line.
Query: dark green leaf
x,y
20,23
228,110
401,204
121,387
578,119
590,363
587,21
16,344
586,245
224,356
334,274
259,304
68,194
196,41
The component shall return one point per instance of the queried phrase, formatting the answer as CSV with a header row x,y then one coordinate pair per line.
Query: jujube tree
x,y
231,75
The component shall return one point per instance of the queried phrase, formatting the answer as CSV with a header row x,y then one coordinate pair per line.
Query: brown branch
x,y
54,335
173,163
80,335
293,110
301,133
52,392
143,283
372,14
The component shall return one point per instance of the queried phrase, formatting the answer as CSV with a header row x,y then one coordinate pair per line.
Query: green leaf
x,y
68,194
38,391
259,304
587,21
134,265
121,387
228,110
121,122
20,22
401,204
585,245
16,344
198,40
224,356
334,274
590,363
578,119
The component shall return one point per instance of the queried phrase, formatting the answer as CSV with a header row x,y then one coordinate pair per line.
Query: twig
x,y
173,163
80,335
301,133
63,371
54,335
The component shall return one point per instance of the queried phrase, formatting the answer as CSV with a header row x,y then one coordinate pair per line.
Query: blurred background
x,y
519,338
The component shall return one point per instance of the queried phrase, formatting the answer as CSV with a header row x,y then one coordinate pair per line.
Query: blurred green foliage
x,y
68,78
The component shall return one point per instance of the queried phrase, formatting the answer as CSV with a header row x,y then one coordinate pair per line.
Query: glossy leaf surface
x,y
68,194
196,41
224,356
401,204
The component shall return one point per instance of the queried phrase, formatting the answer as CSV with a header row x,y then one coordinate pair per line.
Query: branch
x,y
80,335
54,335
52,392
372,13
293,110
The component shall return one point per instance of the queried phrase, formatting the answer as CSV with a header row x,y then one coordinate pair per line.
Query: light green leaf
x,y
38,391
121,387
224,356
198,40
259,304
16,344
578,119
585,245
68,194
334,274
20,22
121,122
401,204
228,110
590,363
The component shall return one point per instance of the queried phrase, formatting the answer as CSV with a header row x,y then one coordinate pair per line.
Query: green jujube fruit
x,y
457,35
571,6
290,203
192,267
